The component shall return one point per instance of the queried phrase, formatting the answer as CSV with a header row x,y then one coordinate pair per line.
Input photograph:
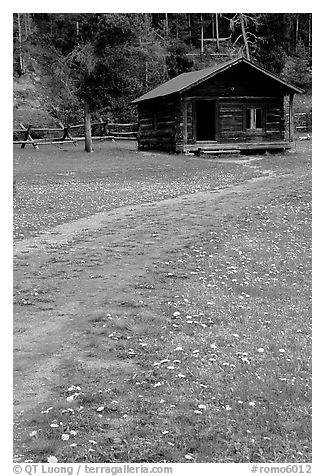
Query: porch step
x,y
221,151
217,148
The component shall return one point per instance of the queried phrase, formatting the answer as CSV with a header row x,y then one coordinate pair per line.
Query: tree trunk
x,y
202,35
166,28
28,23
297,32
242,24
309,33
25,16
217,33
21,59
88,140
189,29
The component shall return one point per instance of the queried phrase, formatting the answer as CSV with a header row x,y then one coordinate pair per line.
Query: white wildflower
x,y
73,388
245,360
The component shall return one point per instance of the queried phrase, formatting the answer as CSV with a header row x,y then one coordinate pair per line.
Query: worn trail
x,y
64,277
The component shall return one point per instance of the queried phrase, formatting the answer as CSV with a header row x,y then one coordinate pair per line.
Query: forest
x,y
98,63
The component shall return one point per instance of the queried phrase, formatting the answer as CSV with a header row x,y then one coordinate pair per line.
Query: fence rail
x,y
105,130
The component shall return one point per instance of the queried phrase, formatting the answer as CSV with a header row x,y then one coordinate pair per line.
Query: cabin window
x,y
253,118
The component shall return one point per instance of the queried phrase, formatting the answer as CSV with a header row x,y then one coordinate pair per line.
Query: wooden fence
x,y
103,129
303,121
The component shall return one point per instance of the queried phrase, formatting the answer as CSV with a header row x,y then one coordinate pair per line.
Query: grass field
x,y
162,306
55,185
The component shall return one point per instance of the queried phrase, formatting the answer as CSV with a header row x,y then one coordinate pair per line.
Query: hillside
x,y
40,94
30,98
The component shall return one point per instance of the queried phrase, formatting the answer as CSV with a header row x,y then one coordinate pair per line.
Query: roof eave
x,y
137,101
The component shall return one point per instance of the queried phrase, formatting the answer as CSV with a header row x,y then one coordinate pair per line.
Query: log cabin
x,y
234,106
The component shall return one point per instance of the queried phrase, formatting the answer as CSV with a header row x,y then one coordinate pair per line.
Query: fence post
x,y
66,133
27,136
104,127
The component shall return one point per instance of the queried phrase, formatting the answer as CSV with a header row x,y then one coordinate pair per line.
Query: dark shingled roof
x,y
188,80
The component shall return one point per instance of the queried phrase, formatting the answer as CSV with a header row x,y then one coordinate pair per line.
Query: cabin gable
x,y
241,80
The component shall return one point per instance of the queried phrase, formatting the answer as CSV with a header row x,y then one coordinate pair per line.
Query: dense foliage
x,y
107,60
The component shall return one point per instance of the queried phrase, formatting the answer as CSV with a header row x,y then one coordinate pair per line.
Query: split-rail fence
x,y
104,129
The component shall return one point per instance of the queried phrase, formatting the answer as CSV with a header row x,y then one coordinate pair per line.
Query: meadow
x,y
162,306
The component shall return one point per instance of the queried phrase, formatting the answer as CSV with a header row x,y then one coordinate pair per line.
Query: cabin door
x,y
205,120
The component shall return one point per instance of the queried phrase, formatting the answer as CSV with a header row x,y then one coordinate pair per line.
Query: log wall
x,y
232,116
157,129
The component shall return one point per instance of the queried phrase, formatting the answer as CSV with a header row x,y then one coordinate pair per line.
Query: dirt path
x,y
67,277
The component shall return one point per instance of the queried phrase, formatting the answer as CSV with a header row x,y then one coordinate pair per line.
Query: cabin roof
x,y
188,80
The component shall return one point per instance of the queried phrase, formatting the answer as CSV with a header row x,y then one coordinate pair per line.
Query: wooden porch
x,y
218,148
